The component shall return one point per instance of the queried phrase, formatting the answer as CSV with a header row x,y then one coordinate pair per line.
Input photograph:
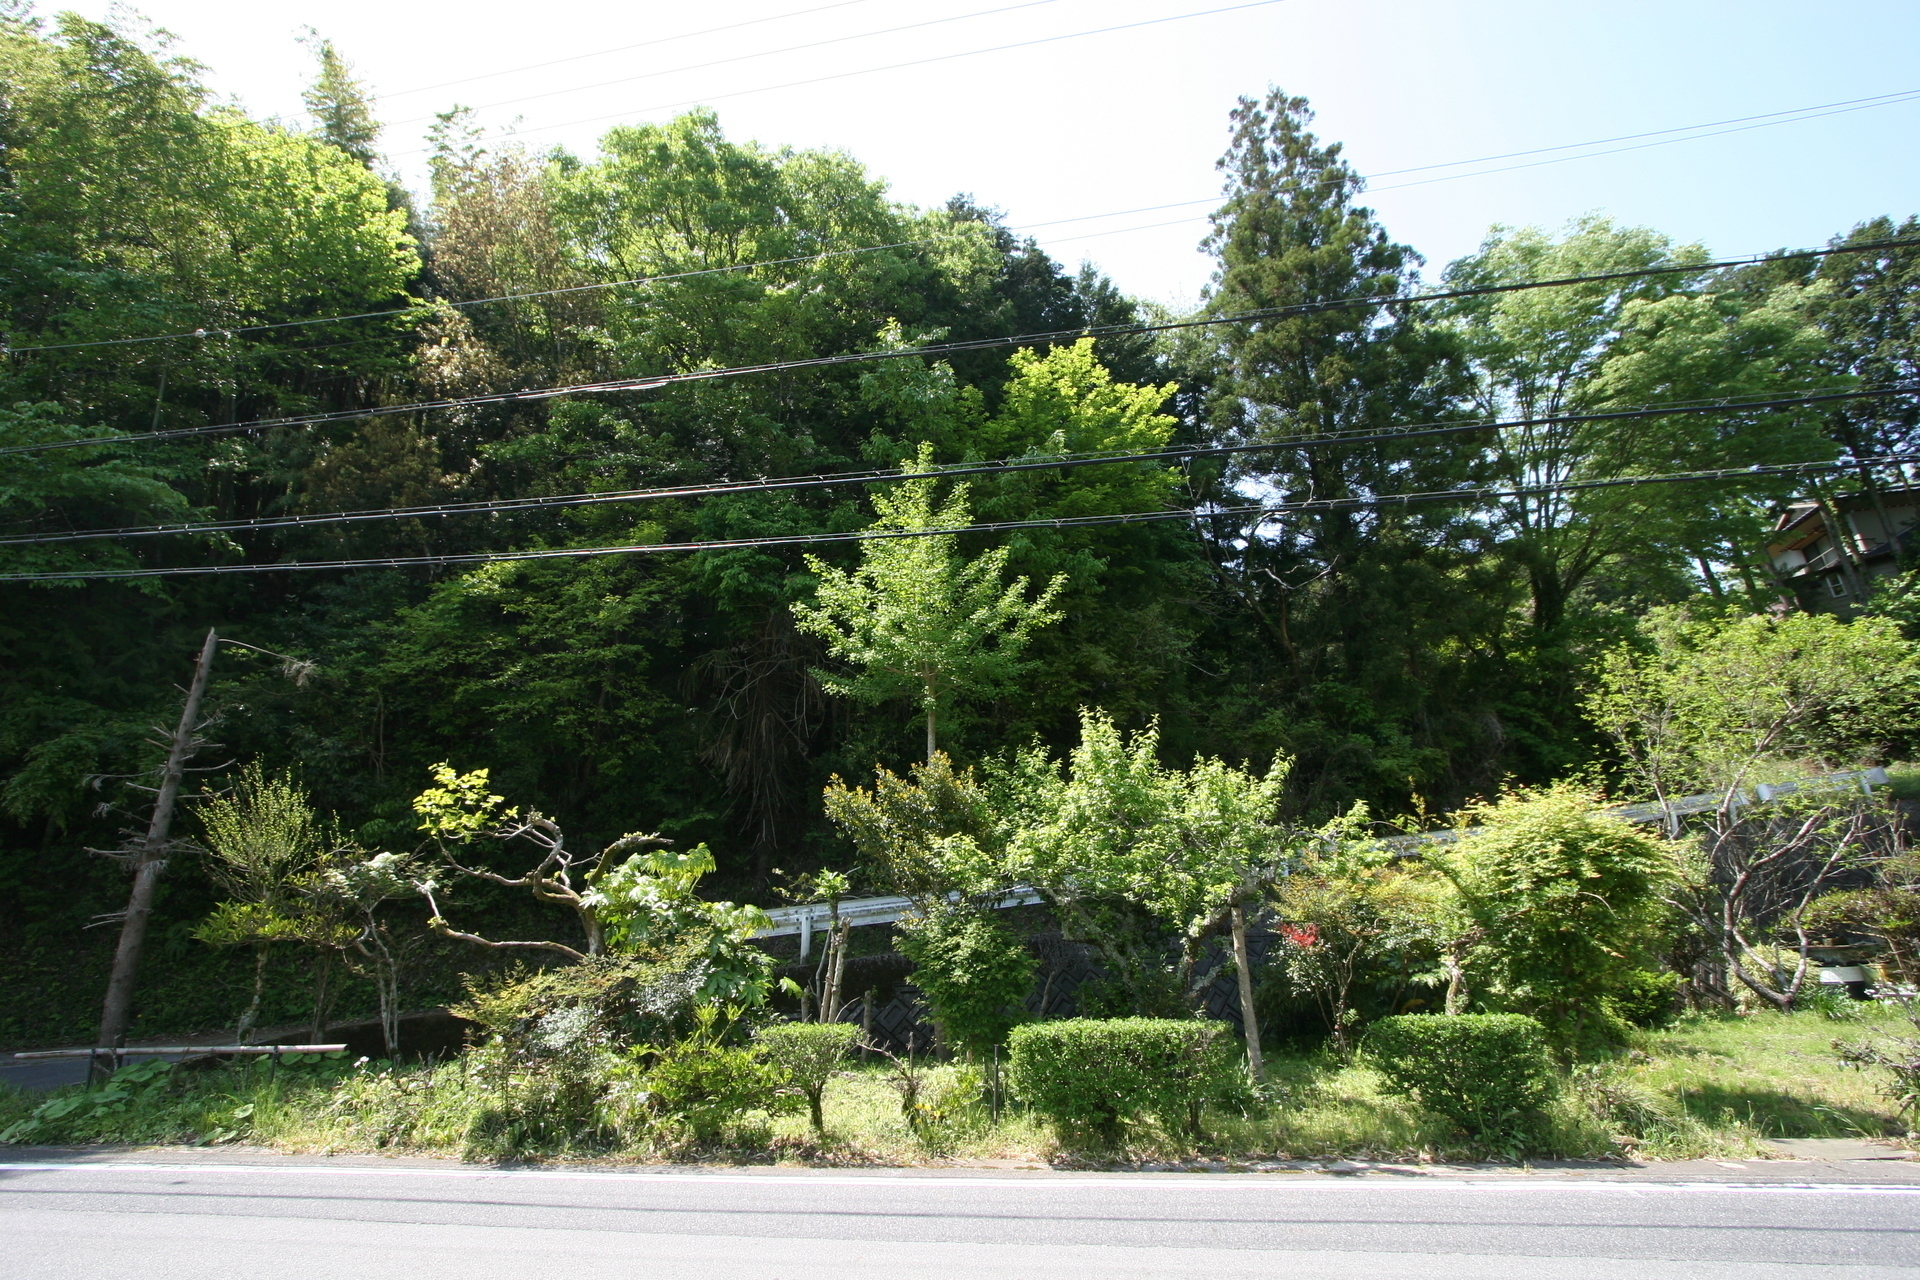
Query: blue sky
x,y
1134,118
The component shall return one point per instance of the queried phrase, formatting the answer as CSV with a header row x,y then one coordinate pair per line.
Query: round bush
x,y
806,1055
1089,1077
1483,1071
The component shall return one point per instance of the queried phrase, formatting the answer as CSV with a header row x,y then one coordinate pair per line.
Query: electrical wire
x,y
654,382
424,306
1002,466
1478,173
1266,512
867,71
1807,113
745,57
625,48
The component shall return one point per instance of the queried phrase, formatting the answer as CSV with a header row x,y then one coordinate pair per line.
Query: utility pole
x,y
150,859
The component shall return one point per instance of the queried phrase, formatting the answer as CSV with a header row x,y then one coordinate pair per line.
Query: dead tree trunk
x,y
150,859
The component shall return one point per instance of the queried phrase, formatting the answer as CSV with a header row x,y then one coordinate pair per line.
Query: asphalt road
x,y
321,1220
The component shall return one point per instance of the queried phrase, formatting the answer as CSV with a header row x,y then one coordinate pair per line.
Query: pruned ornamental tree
x,y
647,900
935,838
1114,840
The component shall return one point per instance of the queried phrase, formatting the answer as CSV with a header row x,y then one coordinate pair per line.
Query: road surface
x,y
319,1220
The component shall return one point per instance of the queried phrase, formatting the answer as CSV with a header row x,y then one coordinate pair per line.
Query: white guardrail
x,y
805,919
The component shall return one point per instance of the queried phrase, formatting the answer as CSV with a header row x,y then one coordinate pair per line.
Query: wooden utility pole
x,y
1249,1020
150,859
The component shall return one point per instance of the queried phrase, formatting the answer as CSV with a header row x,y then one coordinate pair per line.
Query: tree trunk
x,y
252,1015
1847,557
837,979
1457,993
322,1005
1249,1020
931,742
151,861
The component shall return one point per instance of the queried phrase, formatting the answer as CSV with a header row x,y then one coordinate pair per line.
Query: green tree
x,y
340,105
1733,707
808,1056
644,900
1344,606
916,618
938,839
1864,305
975,974
1133,855
132,207
1538,354
1719,704
263,841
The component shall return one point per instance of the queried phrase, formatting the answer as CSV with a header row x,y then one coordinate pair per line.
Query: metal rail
x,y
185,1050
804,919
807,917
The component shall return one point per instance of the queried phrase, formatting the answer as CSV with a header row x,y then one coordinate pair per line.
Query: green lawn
x,y
1706,1086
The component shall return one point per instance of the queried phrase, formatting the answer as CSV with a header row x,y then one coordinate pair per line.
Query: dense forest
x,y
170,266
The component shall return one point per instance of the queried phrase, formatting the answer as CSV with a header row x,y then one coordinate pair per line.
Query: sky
x,y
1114,106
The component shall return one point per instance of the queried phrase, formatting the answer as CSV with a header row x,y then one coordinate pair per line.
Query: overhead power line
x,y
1266,511
748,57
654,382
425,306
1001,466
625,48
893,66
1692,132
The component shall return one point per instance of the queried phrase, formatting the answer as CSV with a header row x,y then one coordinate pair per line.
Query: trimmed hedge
x,y
1090,1077
1483,1071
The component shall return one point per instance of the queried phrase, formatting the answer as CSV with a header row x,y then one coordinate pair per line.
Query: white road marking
x,y
1195,1182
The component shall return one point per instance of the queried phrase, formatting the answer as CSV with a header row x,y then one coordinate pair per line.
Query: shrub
x,y
618,1000
696,1087
1647,997
975,975
1897,1055
1567,898
558,1077
805,1055
1091,1077
1486,1072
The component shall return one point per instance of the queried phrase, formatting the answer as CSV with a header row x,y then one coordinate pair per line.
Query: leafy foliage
x,y
1567,901
1713,704
1092,1078
1114,837
1486,1072
1349,917
933,837
1383,653
806,1055
917,618
975,975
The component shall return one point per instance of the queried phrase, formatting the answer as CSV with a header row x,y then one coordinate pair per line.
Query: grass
x,y
1707,1086
1903,780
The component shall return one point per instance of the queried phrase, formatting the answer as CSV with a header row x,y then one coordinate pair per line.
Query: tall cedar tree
x,y
1351,598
